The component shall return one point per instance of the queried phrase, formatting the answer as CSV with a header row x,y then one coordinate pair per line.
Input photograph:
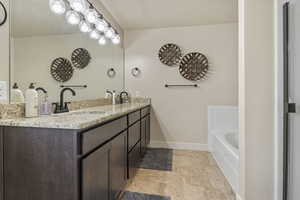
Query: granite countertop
x,y
78,119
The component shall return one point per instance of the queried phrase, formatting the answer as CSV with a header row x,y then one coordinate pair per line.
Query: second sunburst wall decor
x,y
194,66
80,58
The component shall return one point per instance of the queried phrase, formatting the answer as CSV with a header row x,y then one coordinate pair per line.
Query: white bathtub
x,y
224,141
224,147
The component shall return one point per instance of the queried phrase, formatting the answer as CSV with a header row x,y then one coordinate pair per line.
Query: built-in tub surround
x,y
78,119
224,151
223,141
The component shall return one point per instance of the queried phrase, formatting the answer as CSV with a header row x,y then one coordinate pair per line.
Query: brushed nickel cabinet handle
x,y
5,14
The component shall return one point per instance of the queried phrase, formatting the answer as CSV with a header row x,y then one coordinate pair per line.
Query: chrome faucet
x,y
121,96
63,106
109,92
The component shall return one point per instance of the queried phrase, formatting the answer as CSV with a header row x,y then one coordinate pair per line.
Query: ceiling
x,y
33,17
143,14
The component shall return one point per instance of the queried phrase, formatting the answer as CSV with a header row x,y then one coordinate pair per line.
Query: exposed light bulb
x,y
78,5
91,15
95,35
101,25
110,33
102,40
85,27
116,39
57,6
73,17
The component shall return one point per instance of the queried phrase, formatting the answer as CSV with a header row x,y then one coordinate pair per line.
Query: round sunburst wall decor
x,y
80,58
3,14
170,54
61,69
194,66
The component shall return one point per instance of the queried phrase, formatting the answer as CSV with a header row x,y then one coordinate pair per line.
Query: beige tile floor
x,y
195,176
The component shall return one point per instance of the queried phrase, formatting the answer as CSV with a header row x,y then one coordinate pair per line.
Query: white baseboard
x,y
179,145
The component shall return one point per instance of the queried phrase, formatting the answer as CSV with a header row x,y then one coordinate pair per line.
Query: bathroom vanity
x,y
82,155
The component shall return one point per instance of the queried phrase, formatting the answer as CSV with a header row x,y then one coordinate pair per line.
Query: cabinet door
x,y
148,134
95,174
118,164
134,158
143,136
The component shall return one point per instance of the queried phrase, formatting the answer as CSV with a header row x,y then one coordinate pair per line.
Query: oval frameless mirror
x,y
3,14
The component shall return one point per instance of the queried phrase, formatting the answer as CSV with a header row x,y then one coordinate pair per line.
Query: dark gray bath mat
x,y
158,159
140,196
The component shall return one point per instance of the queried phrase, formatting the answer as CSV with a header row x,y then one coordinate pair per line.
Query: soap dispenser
x,y
17,95
31,102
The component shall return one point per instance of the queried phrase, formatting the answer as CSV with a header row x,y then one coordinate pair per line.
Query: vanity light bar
x,y
87,17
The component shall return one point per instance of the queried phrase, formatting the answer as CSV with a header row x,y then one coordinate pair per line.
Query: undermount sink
x,y
87,113
81,113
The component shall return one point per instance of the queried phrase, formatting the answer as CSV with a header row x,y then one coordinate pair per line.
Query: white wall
x,y
180,114
32,58
256,98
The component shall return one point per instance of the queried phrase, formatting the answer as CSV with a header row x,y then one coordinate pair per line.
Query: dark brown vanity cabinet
x,y
1,165
89,164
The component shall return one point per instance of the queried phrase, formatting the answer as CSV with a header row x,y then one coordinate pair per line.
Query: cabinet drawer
x,y
134,135
134,158
145,111
133,117
97,136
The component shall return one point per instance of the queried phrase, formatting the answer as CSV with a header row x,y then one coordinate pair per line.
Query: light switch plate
x,y
3,91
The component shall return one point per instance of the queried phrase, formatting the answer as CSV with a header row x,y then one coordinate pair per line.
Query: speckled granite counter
x,y
78,119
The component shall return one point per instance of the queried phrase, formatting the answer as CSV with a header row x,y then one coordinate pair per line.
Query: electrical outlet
x,y
3,91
